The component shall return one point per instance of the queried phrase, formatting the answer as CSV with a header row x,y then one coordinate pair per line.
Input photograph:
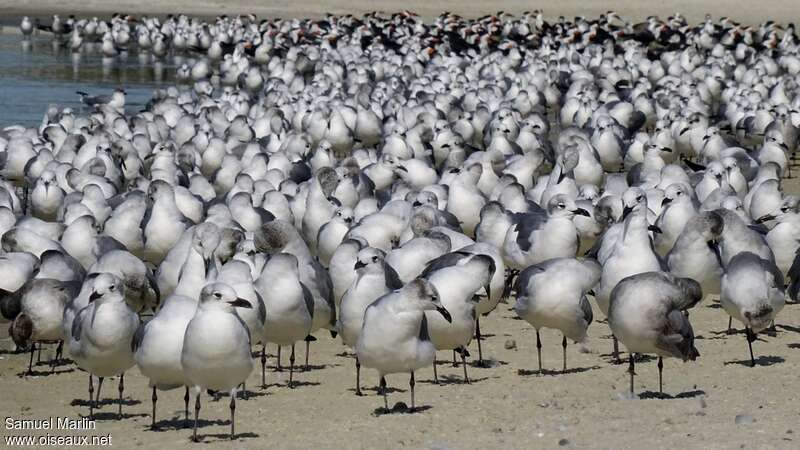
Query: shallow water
x,y
35,73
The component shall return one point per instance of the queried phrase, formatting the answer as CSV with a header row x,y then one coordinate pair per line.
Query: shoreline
x,y
784,11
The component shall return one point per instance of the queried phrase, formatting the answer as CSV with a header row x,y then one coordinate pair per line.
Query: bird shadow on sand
x,y
175,424
623,358
446,380
788,328
652,395
104,402
794,345
112,416
549,372
400,408
714,306
223,437
42,373
765,360
487,363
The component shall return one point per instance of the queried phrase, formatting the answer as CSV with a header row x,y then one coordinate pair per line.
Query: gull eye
x,y
217,295
561,205
374,259
112,287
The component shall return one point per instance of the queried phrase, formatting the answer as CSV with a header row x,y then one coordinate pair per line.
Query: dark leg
x,y
660,375
383,392
435,375
750,338
539,350
730,324
186,406
91,398
99,386
411,384
278,367
59,351
615,353
39,354
30,363
155,399
243,394
564,348
263,366
308,348
233,410
196,414
455,364
631,370
291,366
478,338
358,377
464,363
120,388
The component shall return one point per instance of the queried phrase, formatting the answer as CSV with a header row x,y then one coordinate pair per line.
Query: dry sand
x,y
744,11
509,405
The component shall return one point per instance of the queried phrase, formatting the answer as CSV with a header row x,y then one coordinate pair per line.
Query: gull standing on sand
x,y
394,337
216,347
752,293
102,334
646,315
157,348
552,294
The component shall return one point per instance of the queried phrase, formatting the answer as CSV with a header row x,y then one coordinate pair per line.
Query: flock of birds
x,y
392,181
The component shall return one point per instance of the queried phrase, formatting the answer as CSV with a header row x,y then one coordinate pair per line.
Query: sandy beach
x,y
747,12
716,402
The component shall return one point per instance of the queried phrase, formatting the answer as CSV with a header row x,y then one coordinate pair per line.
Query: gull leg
x,y
539,350
463,352
196,414
120,388
30,363
455,364
358,377
478,338
154,397
750,338
233,411
564,348
660,375
39,354
91,398
186,406
411,384
278,367
730,324
263,365
291,367
308,348
435,375
615,353
383,391
631,370
99,386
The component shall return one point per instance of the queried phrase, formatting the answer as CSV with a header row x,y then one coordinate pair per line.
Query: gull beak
x,y
765,218
359,265
683,131
488,290
445,313
207,264
402,168
666,201
666,149
94,296
241,303
581,212
654,229
625,211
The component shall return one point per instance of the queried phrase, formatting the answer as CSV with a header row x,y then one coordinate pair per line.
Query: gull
x,y
394,337
374,278
752,293
102,332
289,306
696,253
645,314
157,347
552,294
216,347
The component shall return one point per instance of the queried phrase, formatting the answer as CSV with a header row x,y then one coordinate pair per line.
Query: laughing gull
x,y
752,293
457,277
678,207
394,337
216,347
288,303
696,253
157,348
645,314
102,332
552,294
374,278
